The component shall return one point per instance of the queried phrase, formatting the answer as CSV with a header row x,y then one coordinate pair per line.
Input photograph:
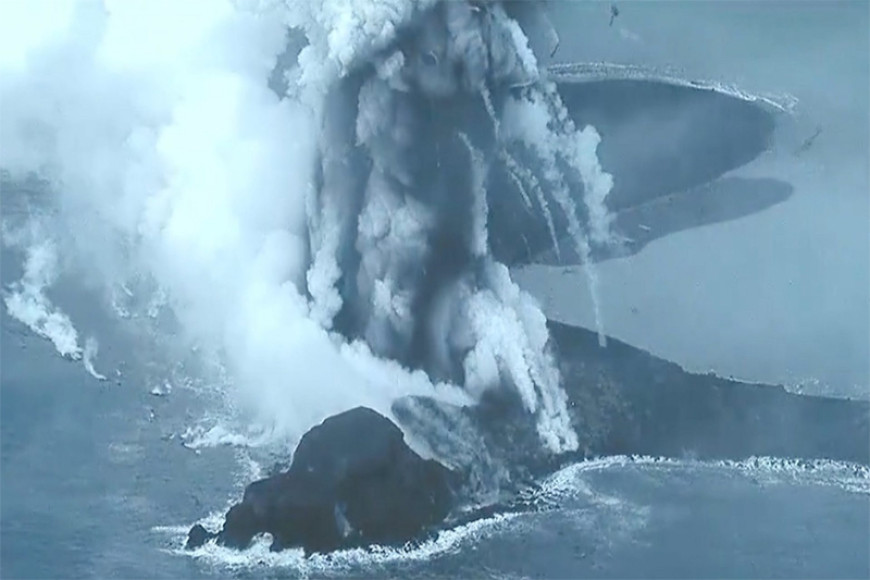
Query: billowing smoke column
x,y
402,214
333,242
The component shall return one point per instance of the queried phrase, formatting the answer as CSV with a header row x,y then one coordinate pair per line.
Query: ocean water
x,y
781,296
103,478
93,489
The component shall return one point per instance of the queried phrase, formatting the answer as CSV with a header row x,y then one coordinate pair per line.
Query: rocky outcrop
x,y
353,481
626,401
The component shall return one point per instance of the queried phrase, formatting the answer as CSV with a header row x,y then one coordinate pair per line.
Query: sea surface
x,y
93,486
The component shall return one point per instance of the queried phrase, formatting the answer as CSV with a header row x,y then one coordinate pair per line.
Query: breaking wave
x,y
574,492
258,555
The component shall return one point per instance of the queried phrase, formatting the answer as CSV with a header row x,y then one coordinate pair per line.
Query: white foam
x,y
258,556
221,435
161,390
90,352
598,71
617,517
850,477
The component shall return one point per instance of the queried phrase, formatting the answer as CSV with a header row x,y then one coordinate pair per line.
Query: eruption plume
x,y
330,242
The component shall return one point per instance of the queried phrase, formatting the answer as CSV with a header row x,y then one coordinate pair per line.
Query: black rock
x,y
353,481
241,524
198,536
626,401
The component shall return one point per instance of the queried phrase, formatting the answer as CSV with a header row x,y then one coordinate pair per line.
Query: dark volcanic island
x,y
354,480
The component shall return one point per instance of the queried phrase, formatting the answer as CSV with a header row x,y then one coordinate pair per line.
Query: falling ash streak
x,y
490,110
517,171
479,210
596,183
553,145
575,229
582,247
511,164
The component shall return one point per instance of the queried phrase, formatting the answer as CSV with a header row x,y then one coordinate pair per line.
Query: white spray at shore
x,y
27,302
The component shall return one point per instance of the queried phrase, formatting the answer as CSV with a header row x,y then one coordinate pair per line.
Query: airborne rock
x,y
353,481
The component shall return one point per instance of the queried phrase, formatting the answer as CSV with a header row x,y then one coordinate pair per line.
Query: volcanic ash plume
x,y
330,241
416,280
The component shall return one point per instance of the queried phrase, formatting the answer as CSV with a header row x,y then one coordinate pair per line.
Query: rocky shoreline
x,y
354,481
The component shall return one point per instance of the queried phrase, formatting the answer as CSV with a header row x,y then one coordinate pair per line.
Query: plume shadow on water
x,y
725,199
660,137
690,137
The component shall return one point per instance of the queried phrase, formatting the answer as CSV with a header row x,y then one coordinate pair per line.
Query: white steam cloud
x,y
91,349
311,237
27,302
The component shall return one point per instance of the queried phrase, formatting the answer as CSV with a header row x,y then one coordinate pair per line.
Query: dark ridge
x,y
627,401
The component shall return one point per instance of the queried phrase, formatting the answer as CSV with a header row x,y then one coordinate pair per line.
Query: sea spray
x,y
26,300
89,353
